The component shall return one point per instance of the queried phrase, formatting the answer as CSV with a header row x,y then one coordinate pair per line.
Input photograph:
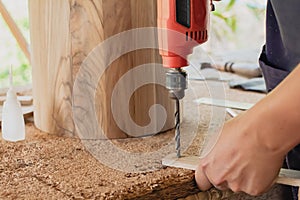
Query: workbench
x,y
47,166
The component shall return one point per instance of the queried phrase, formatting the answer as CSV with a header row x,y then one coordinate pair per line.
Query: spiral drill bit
x,y
176,84
177,128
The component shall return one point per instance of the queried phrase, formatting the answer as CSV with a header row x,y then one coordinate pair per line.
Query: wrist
x,y
276,129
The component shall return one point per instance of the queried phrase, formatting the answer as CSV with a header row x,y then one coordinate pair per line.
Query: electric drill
x,y
182,24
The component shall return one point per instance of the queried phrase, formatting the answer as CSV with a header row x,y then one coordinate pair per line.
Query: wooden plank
x,y
224,103
289,177
285,177
184,162
24,100
15,30
20,90
231,112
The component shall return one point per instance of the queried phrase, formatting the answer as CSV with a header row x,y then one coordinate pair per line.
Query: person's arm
x,y
251,148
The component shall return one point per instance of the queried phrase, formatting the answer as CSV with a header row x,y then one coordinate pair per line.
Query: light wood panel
x,y
51,63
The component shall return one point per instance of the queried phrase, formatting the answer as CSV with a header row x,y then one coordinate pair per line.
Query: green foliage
x,y
230,5
256,10
4,74
227,16
228,20
11,54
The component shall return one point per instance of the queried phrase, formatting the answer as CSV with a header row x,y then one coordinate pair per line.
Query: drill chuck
x,y
176,83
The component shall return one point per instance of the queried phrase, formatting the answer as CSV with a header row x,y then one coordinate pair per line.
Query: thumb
x,y
201,179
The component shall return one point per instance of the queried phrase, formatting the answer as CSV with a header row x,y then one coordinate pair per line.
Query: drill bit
x,y
177,128
176,84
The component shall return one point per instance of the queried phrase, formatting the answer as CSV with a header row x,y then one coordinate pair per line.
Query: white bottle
x,y
13,125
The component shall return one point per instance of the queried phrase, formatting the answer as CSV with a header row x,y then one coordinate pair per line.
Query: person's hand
x,y
251,148
240,161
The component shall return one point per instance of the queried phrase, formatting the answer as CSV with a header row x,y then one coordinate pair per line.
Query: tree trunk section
x,y
63,34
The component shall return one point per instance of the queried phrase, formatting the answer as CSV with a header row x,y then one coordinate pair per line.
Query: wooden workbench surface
x,y
51,167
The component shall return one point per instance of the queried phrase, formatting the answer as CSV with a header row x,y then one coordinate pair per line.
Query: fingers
x,y
202,180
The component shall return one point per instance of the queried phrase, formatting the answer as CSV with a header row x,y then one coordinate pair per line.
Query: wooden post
x,y
63,33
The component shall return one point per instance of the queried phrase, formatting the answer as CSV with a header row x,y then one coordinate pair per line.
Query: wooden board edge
x,y
24,100
224,103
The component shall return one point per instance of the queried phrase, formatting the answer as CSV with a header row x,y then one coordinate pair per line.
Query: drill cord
x,y
177,128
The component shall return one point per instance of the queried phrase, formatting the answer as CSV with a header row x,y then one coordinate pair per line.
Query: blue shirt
x,y
283,34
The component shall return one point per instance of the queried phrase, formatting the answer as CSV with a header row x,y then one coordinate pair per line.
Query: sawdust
x,y
47,166
51,167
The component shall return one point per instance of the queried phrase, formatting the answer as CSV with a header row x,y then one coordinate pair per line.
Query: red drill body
x,y
185,25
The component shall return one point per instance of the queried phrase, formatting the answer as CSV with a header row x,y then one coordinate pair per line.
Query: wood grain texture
x,y
51,63
64,33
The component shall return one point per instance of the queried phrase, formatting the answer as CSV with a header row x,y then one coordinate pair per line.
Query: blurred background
x,y
10,52
237,32
238,24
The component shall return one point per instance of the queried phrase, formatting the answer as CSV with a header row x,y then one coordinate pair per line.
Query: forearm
x,y
277,117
